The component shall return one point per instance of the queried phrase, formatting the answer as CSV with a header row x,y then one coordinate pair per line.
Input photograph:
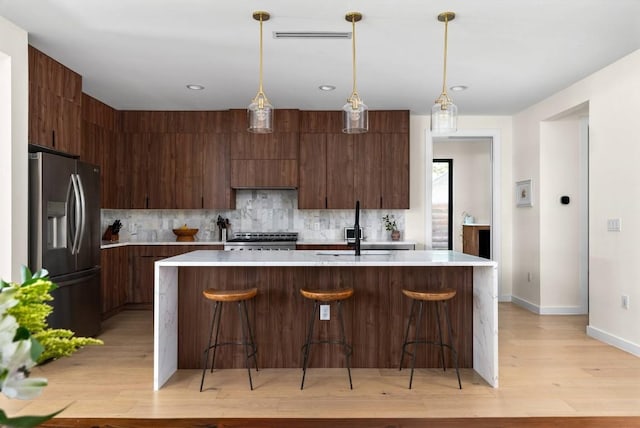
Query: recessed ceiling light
x,y
195,87
458,88
326,87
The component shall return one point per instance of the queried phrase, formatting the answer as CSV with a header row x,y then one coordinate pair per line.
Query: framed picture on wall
x,y
523,194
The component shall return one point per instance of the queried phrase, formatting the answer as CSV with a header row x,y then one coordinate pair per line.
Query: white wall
x,y
613,95
471,180
560,236
13,149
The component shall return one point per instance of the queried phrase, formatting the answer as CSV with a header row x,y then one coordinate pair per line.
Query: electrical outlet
x,y
625,301
325,312
316,226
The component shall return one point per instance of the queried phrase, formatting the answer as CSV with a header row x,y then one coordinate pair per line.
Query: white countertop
x,y
105,245
363,242
324,258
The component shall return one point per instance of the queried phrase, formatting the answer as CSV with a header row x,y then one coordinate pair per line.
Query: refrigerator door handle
x,y
83,212
78,214
69,203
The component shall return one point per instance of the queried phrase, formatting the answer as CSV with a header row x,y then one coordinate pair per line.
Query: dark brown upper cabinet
x,y
337,169
102,144
55,97
178,159
265,160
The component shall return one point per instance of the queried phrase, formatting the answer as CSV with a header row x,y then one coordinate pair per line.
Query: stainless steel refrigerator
x,y
64,237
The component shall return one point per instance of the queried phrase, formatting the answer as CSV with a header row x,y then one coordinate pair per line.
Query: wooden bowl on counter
x,y
185,234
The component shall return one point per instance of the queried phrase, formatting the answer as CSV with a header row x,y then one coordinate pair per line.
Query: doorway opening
x,y
471,190
493,139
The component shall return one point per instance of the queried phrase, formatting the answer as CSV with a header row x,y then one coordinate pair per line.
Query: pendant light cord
x,y
260,91
444,72
353,51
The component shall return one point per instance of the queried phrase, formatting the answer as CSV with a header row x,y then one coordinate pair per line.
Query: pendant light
x,y
444,113
260,112
355,114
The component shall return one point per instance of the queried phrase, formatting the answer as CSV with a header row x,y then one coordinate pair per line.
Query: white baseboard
x,y
548,310
562,310
526,304
506,298
612,340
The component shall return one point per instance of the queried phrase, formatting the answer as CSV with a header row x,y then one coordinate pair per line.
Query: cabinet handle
x,y
202,202
53,138
380,201
146,202
326,202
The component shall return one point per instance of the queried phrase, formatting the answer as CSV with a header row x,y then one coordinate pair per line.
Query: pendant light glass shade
x,y
260,111
444,113
260,115
355,116
355,113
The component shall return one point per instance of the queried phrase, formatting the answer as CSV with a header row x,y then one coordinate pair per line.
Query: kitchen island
x,y
376,316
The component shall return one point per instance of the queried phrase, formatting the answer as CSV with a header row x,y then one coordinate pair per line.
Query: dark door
x,y
54,216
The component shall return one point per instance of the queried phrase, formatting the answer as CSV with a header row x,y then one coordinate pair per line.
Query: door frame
x,y
496,193
583,251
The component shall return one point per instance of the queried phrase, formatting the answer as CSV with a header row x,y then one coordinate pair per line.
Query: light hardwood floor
x,y
548,367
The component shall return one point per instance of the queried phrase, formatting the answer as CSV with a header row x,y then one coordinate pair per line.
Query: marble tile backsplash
x,y
256,211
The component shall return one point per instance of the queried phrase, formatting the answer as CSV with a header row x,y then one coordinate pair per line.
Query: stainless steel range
x,y
252,241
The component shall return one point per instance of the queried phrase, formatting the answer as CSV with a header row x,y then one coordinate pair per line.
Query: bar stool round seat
x,y
437,298
327,295
219,297
336,296
229,295
431,296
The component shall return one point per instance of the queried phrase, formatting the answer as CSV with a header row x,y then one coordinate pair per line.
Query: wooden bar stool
x,y
326,296
437,298
241,297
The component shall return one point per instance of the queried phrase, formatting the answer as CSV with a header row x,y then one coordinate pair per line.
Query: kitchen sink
x,y
351,253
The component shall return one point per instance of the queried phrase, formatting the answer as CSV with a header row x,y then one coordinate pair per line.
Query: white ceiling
x,y
140,54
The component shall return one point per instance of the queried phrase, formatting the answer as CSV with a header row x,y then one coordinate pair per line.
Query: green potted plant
x,y
26,340
390,225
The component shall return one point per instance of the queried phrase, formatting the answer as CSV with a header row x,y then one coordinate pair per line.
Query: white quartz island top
x,y
485,293
325,258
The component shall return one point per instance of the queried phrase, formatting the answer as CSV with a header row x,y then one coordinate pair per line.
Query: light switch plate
x,y
325,312
614,225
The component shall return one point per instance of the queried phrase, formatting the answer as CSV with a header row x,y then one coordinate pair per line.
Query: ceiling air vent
x,y
312,34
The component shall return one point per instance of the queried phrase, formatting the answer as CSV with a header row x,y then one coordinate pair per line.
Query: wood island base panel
x,y
375,317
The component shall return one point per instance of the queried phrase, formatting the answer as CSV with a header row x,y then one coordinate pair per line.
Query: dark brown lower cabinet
x,y
476,240
114,279
142,264
128,274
